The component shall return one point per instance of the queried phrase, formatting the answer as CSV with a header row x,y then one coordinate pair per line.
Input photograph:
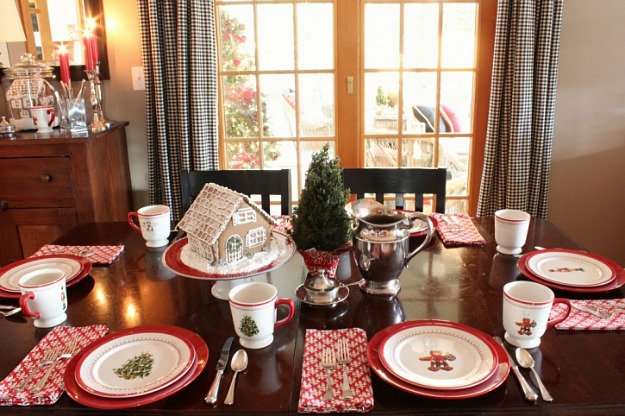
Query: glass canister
x,y
28,84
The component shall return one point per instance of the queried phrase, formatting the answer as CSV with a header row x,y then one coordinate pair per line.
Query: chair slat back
x,y
399,181
249,182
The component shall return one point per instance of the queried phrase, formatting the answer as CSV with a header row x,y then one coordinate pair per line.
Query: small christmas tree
x,y
248,326
320,220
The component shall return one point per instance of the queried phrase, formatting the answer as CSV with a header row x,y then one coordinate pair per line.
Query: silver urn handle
x,y
428,237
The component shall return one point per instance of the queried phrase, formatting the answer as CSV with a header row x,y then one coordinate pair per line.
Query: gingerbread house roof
x,y
208,215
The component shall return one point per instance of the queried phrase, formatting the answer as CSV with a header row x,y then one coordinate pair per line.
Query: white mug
x,y
44,296
43,116
253,306
526,308
511,226
154,222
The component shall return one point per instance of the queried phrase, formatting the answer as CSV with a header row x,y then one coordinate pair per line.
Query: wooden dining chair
x,y
399,181
249,182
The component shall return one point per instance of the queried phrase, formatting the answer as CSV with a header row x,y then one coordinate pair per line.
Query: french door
x,y
389,83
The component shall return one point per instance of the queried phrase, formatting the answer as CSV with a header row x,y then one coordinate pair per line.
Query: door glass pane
x,y
282,155
453,154
275,37
316,105
236,27
315,36
418,153
381,107
381,153
457,100
421,35
420,101
278,92
240,106
243,154
458,41
381,36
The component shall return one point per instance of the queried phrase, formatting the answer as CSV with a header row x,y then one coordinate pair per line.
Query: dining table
x,y
584,370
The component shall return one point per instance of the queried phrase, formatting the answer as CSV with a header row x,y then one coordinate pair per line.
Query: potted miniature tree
x,y
321,228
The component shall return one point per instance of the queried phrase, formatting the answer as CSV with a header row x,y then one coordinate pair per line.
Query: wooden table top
x,y
583,370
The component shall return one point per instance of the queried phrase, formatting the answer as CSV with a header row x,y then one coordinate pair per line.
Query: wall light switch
x,y
138,78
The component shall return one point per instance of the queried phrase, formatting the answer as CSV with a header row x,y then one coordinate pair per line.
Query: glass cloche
x,y
28,84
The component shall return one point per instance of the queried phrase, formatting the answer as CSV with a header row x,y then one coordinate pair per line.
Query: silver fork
x,y
49,355
70,349
328,362
344,359
11,312
453,227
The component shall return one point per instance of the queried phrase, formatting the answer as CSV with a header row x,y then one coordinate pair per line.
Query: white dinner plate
x,y
135,365
439,357
9,276
568,268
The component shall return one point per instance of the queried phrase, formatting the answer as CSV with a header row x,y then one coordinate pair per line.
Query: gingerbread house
x,y
225,226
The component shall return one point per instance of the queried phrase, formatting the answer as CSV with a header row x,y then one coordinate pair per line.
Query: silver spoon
x,y
11,312
238,364
526,360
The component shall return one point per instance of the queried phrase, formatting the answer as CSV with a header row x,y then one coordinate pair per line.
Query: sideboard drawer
x,y
36,181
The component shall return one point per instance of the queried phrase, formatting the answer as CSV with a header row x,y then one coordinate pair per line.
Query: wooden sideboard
x,y
52,182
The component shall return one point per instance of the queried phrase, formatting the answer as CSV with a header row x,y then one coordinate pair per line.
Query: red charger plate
x,y
83,397
491,383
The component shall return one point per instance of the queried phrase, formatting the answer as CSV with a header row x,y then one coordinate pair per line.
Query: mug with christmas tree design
x,y
254,313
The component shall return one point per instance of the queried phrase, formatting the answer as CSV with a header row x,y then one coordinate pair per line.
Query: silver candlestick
x,y
98,123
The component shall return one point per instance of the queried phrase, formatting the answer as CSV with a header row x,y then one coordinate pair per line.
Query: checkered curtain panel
x,y
519,138
180,63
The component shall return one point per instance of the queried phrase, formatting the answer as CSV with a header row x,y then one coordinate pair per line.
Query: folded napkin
x,y
462,232
57,338
580,320
95,254
312,393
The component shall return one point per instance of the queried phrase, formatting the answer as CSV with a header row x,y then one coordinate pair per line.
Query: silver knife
x,y
211,397
530,394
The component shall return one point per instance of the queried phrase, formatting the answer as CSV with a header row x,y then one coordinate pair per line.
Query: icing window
x,y
244,216
256,237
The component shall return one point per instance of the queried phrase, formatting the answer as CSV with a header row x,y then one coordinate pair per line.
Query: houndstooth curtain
x,y
519,138
180,62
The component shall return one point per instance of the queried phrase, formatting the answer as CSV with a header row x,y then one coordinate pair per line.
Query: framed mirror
x,y
48,24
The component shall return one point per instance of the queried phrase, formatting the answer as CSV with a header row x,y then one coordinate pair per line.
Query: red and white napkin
x,y
97,255
580,320
57,338
312,393
457,233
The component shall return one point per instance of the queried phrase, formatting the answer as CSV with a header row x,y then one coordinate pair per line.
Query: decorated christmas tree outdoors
x,y
320,220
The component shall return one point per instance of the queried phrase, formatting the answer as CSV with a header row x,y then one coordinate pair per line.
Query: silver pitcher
x,y
381,244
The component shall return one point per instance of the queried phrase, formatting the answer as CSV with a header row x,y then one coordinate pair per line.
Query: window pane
x,y
420,35
381,153
316,105
315,36
275,40
244,154
420,101
418,153
453,154
457,100
278,93
381,36
236,28
240,106
381,109
282,155
458,43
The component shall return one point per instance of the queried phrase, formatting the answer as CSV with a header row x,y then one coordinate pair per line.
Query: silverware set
x,y
49,360
453,222
329,361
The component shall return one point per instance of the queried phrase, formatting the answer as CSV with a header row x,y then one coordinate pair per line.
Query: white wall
x,y
588,169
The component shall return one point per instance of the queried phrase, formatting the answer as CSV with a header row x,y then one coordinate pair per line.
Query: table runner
x,y
311,399
57,338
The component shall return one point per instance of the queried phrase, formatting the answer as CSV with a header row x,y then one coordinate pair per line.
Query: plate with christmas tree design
x,y
134,364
